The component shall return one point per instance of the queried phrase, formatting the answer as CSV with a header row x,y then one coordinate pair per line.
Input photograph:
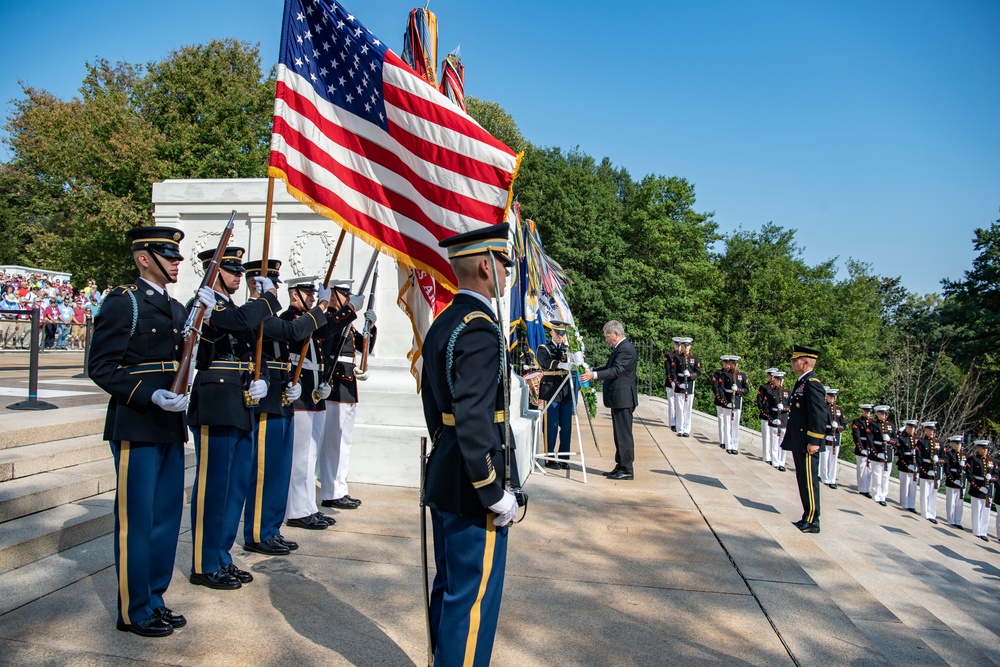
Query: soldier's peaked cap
x,y
479,242
558,327
832,392
342,284
307,283
778,374
865,406
982,443
955,438
771,371
273,269
164,241
803,351
232,258
881,408
910,422
929,424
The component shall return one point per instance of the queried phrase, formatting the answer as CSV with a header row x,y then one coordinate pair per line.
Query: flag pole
x,y
264,268
325,283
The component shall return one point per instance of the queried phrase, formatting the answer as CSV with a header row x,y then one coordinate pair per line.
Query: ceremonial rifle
x,y
367,331
347,329
192,327
423,544
329,273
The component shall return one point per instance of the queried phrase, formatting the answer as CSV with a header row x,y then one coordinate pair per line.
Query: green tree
x,y
497,122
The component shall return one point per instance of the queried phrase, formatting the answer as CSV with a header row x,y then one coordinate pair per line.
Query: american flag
x,y
361,139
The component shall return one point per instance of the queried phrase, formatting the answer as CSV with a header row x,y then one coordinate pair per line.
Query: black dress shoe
x,y
154,626
882,503
612,471
982,537
809,528
833,486
722,445
912,509
867,494
343,503
621,474
352,498
168,615
292,546
554,465
781,468
271,547
798,524
325,517
674,429
309,522
221,580
934,521
243,576
563,465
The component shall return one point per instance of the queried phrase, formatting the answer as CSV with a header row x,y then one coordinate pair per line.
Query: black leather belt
x,y
152,367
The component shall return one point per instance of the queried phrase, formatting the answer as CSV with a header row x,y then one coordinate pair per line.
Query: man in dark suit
x,y
805,436
620,394
134,357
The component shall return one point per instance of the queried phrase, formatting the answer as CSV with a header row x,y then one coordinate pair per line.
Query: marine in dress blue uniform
x,y
222,420
136,345
805,435
464,367
267,495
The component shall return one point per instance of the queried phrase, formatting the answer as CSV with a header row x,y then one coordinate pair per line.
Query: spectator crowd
x,y
63,312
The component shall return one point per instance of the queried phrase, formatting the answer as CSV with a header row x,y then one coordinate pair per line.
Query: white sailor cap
x,y
929,424
734,358
778,374
881,408
343,284
981,443
771,371
910,422
687,340
678,340
302,282
831,391
957,438
865,406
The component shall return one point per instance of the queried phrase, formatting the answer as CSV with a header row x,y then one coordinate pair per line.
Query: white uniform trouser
x,y
682,409
308,434
765,440
980,517
907,490
723,415
828,459
864,474
953,505
732,427
881,472
335,452
928,499
777,453
670,407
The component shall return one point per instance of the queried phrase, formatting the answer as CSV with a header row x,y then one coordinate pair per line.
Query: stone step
x,y
28,539
18,462
19,428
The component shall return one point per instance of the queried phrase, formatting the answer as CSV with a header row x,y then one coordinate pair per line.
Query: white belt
x,y
307,365
346,359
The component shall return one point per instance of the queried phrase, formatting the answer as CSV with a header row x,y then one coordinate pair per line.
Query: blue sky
x,y
869,127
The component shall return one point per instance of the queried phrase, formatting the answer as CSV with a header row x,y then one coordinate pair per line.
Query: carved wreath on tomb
x,y
303,255
205,241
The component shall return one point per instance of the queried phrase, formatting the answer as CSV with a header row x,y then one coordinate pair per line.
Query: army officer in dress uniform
x,y
134,354
805,436
465,368
557,389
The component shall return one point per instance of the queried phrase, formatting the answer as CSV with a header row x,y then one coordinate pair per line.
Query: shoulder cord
x,y
450,355
135,313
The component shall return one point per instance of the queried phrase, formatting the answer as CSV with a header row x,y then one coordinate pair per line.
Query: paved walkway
x,y
694,562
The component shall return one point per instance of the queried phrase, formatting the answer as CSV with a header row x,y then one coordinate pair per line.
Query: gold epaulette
x,y
476,314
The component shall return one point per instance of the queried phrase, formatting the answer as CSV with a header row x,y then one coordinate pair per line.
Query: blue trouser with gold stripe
x,y
471,557
807,476
225,456
559,418
269,475
148,505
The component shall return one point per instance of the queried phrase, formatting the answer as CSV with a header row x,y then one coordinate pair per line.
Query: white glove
x,y
370,316
734,388
775,422
263,284
912,468
730,406
989,477
323,294
169,401
781,406
357,301
687,373
505,509
934,458
258,390
207,297
576,358
293,391
983,490
564,365
323,391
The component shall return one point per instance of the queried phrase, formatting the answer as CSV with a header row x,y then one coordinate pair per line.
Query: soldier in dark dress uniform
x,y
464,371
310,407
906,457
669,368
135,349
267,495
862,436
954,481
763,396
222,418
928,454
778,405
557,388
341,353
686,372
720,379
979,470
883,438
829,458
804,437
